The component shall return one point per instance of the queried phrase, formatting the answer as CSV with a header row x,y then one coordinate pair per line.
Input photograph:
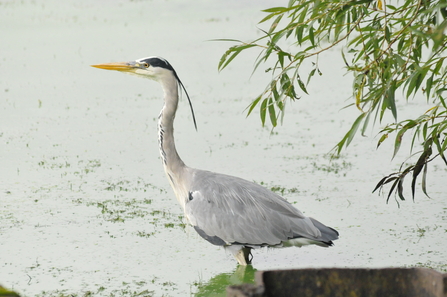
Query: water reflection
x,y
217,285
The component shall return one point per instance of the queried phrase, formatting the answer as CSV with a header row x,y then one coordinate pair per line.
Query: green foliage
x,y
390,48
7,293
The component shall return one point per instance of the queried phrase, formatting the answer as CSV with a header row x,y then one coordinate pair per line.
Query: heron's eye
x,y
146,65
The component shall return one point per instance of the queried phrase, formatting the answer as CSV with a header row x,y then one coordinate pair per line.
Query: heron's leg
x,y
248,256
241,253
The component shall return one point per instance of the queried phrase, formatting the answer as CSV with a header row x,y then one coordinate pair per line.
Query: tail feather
x,y
327,233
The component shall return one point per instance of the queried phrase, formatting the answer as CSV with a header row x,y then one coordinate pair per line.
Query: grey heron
x,y
225,210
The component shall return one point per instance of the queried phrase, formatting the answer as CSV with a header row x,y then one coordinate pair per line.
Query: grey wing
x,y
225,209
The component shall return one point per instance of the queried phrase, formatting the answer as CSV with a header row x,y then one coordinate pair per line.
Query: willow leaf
x,y
276,9
354,128
400,188
382,139
398,140
263,111
440,148
392,188
232,52
350,135
253,104
391,99
421,162
424,180
272,112
380,183
302,86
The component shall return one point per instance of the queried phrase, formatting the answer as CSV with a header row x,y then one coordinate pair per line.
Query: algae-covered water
x,y
85,208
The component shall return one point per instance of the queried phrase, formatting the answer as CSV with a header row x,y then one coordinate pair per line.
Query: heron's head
x,y
154,68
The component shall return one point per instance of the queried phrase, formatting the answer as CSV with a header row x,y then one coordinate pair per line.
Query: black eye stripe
x,y
157,62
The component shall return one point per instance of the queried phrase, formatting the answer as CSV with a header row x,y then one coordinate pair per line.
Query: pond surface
x,y
85,208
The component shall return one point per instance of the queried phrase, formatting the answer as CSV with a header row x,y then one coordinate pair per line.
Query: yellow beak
x,y
122,66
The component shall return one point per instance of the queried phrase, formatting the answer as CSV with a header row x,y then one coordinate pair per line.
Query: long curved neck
x,y
171,160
